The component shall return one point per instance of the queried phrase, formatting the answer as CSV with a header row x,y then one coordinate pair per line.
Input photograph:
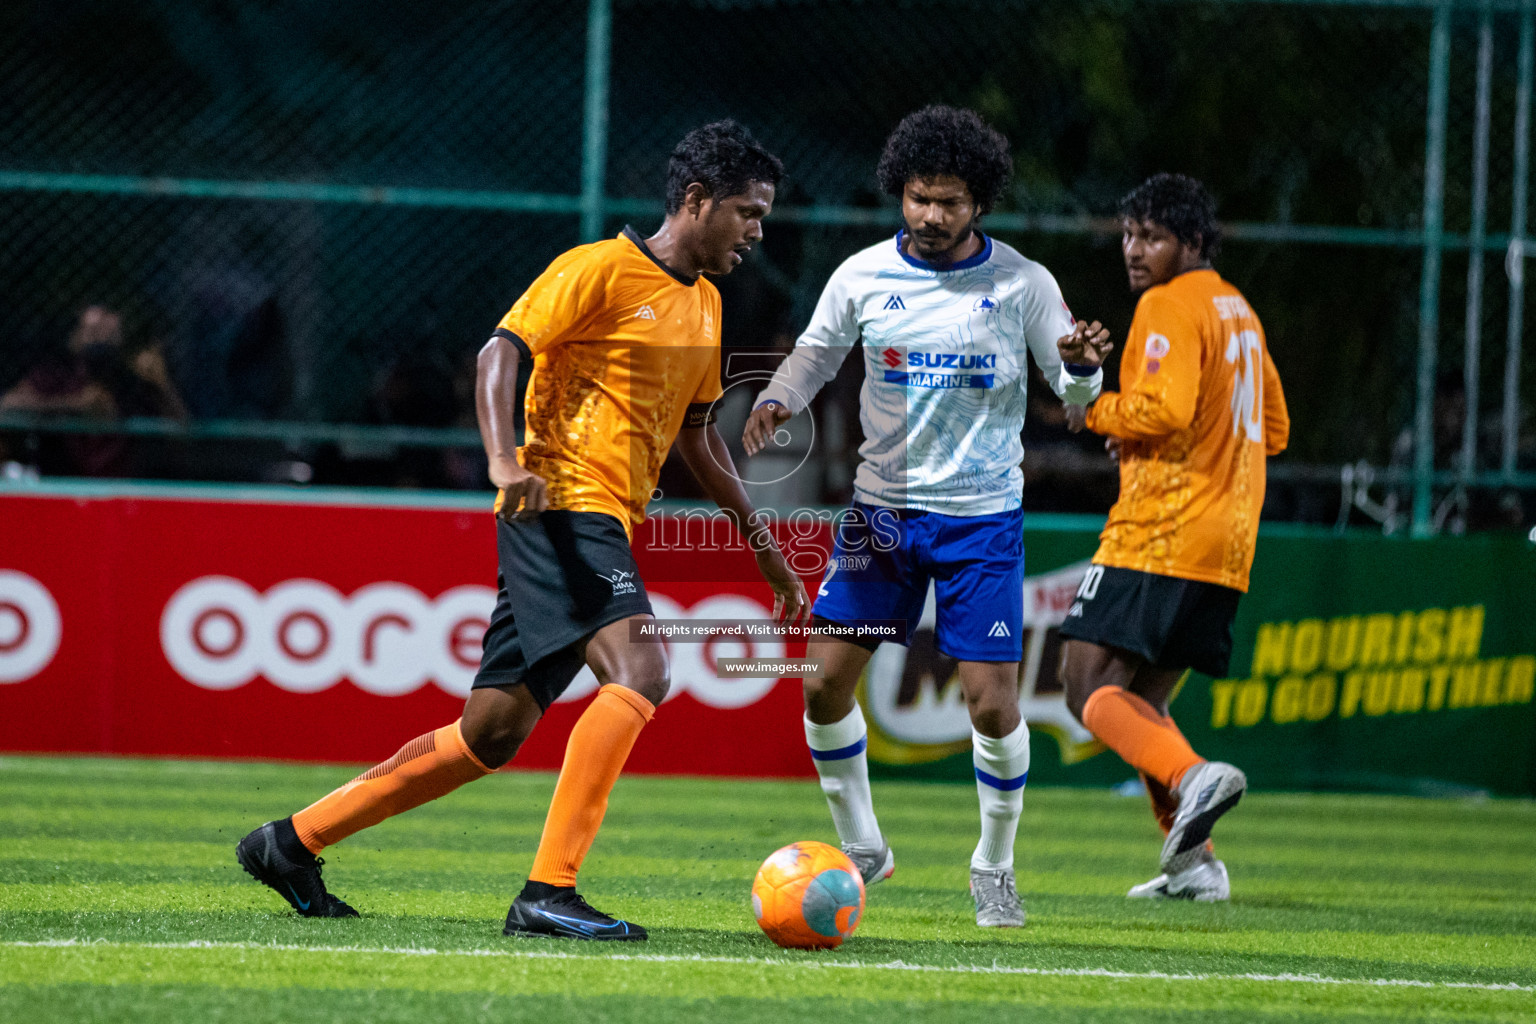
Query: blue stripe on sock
x,y
1006,785
841,752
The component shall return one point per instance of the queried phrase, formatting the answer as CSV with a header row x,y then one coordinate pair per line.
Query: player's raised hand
x,y
523,494
790,603
1087,345
765,420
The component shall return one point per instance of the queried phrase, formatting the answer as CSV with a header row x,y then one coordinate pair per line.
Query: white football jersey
x,y
945,371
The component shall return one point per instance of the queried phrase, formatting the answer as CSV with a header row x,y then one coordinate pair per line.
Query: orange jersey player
x,y
624,339
601,414
1199,410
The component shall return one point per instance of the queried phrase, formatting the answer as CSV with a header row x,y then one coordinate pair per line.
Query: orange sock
x,y
594,756
1132,728
430,766
1164,806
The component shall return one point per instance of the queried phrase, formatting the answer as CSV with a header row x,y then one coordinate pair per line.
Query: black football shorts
x,y
1171,622
562,577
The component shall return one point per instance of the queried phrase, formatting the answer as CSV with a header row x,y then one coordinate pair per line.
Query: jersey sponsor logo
x,y
999,628
645,313
894,302
918,379
985,304
30,627
891,357
388,639
951,361
1157,346
623,582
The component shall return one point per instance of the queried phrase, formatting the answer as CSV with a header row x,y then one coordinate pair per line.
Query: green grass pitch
x,y
120,900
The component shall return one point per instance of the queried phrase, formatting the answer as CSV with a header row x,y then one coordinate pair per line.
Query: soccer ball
x,y
808,896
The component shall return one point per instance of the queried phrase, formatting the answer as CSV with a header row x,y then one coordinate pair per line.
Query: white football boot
x,y
1205,882
1206,792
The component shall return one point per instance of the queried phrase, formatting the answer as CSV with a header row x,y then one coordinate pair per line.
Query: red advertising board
x,y
146,623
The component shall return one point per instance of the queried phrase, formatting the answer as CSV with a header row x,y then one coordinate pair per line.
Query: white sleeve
x,y
819,351
1046,318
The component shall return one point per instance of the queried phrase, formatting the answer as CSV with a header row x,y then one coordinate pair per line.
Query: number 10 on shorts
x,y
1090,585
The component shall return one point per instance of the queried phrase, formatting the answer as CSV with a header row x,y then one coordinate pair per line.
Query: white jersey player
x,y
945,370
947,319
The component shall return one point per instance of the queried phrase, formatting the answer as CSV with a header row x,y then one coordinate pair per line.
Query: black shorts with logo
x,y
562,577
1173,623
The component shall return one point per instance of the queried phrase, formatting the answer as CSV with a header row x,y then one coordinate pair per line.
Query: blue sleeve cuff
x,y
1078,370
769,401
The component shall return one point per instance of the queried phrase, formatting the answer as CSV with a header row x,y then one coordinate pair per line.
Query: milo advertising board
x,y
1359,662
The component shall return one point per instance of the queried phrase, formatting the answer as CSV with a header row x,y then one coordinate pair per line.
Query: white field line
x,y
854,965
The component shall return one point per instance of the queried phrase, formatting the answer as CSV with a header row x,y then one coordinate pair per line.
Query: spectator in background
x,y
229,352
1460,509
415,390
419,388
97,376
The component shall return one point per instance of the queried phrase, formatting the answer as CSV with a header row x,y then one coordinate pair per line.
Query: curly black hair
x,y
939,141
1182,205
724,158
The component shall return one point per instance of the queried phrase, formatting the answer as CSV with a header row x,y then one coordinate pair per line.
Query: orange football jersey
x,y
1199,408
622,346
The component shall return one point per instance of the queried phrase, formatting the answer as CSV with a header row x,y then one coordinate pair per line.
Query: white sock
x,y
1002,765
838,751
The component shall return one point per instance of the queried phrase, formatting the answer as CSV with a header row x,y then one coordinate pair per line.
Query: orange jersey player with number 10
x,y
624,339
1198,411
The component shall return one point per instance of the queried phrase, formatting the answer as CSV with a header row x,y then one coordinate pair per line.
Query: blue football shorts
x,y
884,558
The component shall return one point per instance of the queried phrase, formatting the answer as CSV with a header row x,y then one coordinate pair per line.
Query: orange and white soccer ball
x,y
808,896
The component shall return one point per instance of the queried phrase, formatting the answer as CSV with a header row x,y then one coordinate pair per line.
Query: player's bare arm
x,y
708,458
524,494
764,422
